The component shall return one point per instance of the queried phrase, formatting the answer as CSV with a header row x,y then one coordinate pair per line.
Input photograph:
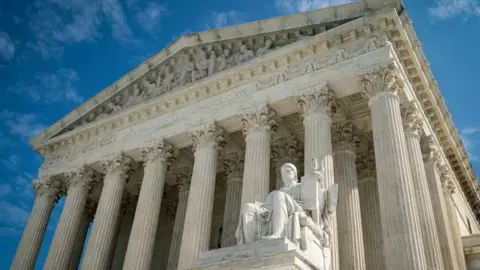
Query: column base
x,y
278,253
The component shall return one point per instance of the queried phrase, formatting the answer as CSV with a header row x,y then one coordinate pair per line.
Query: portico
x,y
194,133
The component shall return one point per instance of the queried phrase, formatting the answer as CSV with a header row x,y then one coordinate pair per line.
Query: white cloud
x,y
445,9
223,19
61,22
291,6
150,16
11,162
471,138
51,87
5,190
25,125
13,216
7,49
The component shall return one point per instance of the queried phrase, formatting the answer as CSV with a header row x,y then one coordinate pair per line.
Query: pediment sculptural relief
x,y
190,65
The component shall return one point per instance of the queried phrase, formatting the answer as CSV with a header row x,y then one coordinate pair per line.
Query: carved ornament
x,y
82,177
233,164
382,80
118,164
318,100
159,150
47,186
208,135
344,137
287,150
412,119
183,178
259,119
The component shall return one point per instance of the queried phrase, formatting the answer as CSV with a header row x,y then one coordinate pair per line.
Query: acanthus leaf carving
x,y
183,177
287,150
381,80
259,119
47,186
82,177
344,137
208,135
120,164
159,150
233,164
412,119
316,100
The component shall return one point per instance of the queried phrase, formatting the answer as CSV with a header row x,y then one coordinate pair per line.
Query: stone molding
x,y
159,149
183,177
317,100
233,164
383,80
412,119
284,149
82,176
259,119
344,138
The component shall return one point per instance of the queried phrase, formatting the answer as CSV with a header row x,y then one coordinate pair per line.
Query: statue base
x,y
278,253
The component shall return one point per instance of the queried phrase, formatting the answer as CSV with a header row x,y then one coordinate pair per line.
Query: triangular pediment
x,y
195,57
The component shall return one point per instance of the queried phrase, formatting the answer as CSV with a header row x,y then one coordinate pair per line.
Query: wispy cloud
x,y
7,49
290,6
471,138
446,9
24,125
13,218
57,23
150,15
51,87
11,162
223,19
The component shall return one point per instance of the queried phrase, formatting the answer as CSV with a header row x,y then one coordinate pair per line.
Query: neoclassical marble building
x,y
158,165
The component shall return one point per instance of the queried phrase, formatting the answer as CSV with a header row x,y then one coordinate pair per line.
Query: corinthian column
x,y
157,158
370,209
87,217
127,213
198,218
183,183
413,129
61,249
100,243
433,161
316,107
47,191
350,234
448,186
233,165
286,150
402,240
258,129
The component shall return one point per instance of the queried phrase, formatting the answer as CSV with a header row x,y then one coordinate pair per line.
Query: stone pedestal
x,y
45,198
349,226
233,166
258,128
102,237
183,182
198,218
69,225
316,106
401,232
156,159
266,254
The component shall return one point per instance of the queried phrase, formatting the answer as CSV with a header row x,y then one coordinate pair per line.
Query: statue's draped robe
x,y
256,218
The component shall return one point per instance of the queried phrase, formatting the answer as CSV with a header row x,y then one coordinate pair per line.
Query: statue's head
x,y
289,174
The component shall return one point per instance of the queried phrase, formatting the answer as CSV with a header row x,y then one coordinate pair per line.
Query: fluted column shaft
x,y
183,182
258,128
400,225
431,157
350,234
142,237
127,214
448,191
316,108
101,241
80,241
413,129
32,238
198,217
68,228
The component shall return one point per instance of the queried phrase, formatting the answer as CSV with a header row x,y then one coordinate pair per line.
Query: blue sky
x,y
54,54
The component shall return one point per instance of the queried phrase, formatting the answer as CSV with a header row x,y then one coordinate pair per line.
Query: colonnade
x,y
405,219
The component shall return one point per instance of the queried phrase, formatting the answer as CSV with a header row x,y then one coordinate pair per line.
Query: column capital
x,y
183,177
233,164
381,79
447,179
317,100
208,135
128,202
431,151
289,149
344,138
90,209
366,164
119,163
259,119
159,150
47,186
82,176
412,119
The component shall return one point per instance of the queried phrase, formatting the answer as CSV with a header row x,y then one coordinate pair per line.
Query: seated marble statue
x,y
273,218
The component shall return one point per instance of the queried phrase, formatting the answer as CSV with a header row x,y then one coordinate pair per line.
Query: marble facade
x,y
159,164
